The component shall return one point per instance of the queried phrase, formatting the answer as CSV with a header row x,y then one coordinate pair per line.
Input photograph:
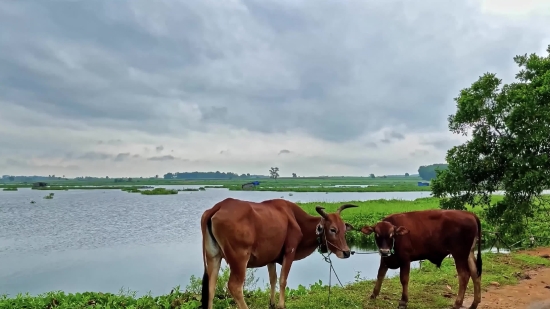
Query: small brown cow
x,y
429,235
250,235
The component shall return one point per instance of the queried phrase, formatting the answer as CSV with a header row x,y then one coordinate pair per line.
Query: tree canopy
x,y
509,148
427,172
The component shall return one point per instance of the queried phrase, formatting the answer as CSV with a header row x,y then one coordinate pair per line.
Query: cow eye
x,y
376,234
333,230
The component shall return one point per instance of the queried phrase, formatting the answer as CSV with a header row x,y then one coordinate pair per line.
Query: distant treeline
x,y
210,175
427,172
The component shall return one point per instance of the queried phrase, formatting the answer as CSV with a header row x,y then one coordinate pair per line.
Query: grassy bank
x,y
427,290
159,191
342,188
266,182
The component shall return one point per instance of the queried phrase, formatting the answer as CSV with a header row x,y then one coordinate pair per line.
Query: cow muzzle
x,y
384,252
346,254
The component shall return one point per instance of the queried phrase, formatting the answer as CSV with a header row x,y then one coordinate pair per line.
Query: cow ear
x,y
367,229
349,227
319,229
401,231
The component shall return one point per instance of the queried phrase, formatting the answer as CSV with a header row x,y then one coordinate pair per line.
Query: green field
x,y
427,286
301,184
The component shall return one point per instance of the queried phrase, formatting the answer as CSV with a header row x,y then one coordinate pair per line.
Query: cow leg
x,y
475,278
463,272
213,268
237,266
382,270
404,277
294,236
273,281
285,269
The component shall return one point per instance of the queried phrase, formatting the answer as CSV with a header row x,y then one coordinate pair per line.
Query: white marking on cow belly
x,y
291,250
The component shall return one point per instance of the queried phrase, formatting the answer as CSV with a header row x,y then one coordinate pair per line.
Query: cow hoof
x,y
271,306
372,296
473,306
402,305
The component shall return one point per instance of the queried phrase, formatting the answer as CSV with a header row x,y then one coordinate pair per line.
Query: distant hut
x,y
250,185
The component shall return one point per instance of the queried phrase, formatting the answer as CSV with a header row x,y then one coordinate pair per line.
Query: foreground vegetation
x,y
428,289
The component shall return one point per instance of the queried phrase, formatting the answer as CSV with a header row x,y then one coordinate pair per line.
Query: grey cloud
x,y
23,164
110,142
257,65
162,158
159,148
100,156
92,155
441,144
396,135
419,153
371,145
214,113
283,151
122,156
392,136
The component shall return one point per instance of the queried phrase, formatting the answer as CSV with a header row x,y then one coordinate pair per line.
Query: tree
x,y
11,178
274,172
294,175
372,176
509,147
406,174
428,172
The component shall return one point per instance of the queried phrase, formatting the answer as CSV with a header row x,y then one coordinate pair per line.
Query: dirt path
x,y
530,293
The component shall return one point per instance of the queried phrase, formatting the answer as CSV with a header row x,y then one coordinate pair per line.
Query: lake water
x,y
105,240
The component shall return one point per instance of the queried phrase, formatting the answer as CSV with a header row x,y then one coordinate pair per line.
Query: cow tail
x,y
479,262
206,225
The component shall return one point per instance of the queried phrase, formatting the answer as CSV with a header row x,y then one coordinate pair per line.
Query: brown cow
x,y
250,235
429,235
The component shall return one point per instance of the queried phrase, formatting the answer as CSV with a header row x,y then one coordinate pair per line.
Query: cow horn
x,y
321,211
344,207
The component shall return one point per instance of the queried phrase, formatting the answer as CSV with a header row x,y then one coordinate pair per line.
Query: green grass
x,y
159,191
65,188
312,184
343,188
427,290
193,189
49,196
264,182
131,190
10,189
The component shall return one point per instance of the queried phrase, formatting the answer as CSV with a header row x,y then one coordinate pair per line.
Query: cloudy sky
x,y
140,87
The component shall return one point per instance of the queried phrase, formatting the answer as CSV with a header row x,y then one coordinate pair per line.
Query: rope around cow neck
x,y
331,267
